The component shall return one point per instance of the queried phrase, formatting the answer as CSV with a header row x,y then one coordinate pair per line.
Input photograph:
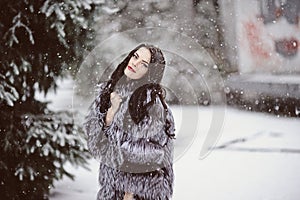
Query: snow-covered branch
x,y
17,23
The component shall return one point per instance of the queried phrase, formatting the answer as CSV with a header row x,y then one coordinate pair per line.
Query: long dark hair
x,y
150,82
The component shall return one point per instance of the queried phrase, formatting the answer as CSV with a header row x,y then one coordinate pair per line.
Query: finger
x,y
113,95
117,96
117,101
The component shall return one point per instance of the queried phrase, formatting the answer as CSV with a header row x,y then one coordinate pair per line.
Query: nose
x,y
135,63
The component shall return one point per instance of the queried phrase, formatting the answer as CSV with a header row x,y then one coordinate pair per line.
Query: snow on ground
x,y
257,157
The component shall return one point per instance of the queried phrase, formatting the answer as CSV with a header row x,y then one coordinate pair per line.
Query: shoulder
x,y
100,86
99,89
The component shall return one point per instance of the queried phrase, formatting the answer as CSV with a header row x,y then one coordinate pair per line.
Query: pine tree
x,y
40,40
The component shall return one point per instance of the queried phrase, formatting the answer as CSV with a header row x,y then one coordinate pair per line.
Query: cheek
x,y
141,73
130,61
144,71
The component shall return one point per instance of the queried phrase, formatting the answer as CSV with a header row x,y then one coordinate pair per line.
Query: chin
x,y
128,74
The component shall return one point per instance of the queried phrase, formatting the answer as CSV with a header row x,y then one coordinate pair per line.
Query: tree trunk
x,y
185,13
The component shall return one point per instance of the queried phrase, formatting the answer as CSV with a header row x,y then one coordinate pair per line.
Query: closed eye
x,y
136,56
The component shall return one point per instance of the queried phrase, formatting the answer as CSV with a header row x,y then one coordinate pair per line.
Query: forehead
x,y
144,53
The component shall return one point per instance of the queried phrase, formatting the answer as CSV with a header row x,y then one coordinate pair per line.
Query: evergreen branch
x,y
17,23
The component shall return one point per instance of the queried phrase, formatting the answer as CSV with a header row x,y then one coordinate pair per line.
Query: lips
x,y
130,69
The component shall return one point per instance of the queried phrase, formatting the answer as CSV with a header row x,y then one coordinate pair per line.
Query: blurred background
x,y
240,57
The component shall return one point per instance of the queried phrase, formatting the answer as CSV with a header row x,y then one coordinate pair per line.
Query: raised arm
x,y
102,144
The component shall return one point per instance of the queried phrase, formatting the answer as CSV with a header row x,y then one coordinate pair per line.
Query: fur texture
x,y
136,158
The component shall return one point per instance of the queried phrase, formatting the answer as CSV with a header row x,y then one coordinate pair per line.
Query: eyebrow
x,y
139,56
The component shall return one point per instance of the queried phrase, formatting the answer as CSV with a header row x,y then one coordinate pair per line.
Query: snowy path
x,y
257,158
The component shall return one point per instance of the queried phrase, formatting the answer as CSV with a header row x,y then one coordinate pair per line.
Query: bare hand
x,y
128,196
115,100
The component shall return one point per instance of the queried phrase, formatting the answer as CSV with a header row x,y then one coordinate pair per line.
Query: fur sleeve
x,y
101,143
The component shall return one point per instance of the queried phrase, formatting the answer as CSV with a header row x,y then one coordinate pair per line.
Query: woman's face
x,y
138,64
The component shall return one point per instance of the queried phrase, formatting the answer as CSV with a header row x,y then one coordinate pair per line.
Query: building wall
x,y
266,35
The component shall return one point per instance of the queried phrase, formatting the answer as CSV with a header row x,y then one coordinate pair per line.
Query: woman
x,y
131,130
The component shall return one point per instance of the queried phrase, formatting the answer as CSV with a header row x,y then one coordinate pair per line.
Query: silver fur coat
x,y
135,158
